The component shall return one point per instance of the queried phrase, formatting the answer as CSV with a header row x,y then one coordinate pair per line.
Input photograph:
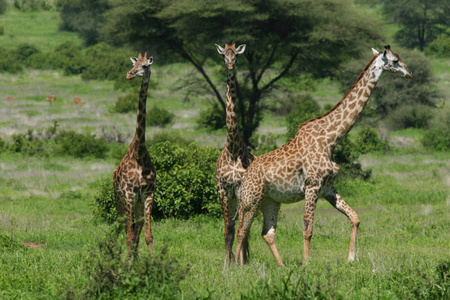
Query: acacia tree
x,y
283,37
421,21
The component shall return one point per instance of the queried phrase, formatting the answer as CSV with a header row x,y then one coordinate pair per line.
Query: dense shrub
x,y
32,5
175,139
24,51
185,180
185,183
263,143
8,62
440,47
416,116
2,30
346,156
306,109
368,141
3,7
80,145
112,276
127,103
158,116
437,140
28,145
212,118
104,201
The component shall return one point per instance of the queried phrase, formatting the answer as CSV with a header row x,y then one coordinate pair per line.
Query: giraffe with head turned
x,y
303,168
134,179
235,157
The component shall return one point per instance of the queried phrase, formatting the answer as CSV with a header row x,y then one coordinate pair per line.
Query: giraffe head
x,y
141,65
230,53
391,62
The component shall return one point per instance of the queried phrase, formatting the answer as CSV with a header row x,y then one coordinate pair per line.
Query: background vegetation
x,y
58,236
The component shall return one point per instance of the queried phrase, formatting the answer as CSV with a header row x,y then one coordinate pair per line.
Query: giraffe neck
x,y
340,120
233,138
139,149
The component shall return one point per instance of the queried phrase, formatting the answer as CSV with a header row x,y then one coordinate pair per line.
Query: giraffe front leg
x,y
270,210
130,224
311,195
335,199
147,215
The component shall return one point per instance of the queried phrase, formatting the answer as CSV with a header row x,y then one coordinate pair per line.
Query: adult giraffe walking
x,y
134,179
303,168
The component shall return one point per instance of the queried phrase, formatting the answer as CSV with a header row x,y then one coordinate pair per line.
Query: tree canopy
x,y
283,37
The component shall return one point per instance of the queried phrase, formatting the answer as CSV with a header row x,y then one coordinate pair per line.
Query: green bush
x,y
416,116
158,116
212,118
104,201
368,141
185,183
80,145
185,180
28,145
437,140
3,7
112,276
8,62
346,156
23,51
2,30
306,109
173,138
440,47
127,103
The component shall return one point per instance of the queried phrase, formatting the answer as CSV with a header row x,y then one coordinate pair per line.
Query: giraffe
x,y
235,157
303,168
134,179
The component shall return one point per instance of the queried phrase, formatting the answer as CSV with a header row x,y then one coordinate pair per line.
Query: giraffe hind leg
x,y
270,210
336,201
148,229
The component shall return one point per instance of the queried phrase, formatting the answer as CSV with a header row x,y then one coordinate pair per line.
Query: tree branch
x,y
281,75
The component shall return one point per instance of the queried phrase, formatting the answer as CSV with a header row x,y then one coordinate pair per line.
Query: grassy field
x,y
48,234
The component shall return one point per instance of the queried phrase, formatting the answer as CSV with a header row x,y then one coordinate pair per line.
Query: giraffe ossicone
x,y
304,169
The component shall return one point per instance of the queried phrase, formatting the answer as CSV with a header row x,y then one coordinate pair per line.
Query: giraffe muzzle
x,y
130,75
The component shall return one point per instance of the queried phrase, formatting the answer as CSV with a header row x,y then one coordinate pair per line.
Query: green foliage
x,y
185,183
438,140
368,141
104,62
104,202
185,180
158,116
268,28
127,103
173,138
80,145
84,17
25,50
2,29
112,276
346,156
406,116
32,5
3,7
212,118
8,62
421,21
264,143
28,145
440,47
306,109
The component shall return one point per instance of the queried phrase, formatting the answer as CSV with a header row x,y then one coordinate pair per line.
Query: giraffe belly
x,y
287,191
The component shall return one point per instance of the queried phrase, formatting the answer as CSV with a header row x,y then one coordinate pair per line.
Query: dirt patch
x,y
32,245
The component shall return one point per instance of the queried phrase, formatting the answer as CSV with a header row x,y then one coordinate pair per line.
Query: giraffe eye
x,y
395,61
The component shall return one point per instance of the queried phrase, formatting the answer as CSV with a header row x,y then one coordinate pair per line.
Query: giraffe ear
x,y
240,49
219,49
375,52
150,60
133,60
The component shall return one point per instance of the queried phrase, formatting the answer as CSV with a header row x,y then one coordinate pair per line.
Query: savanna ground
x,y
46,202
